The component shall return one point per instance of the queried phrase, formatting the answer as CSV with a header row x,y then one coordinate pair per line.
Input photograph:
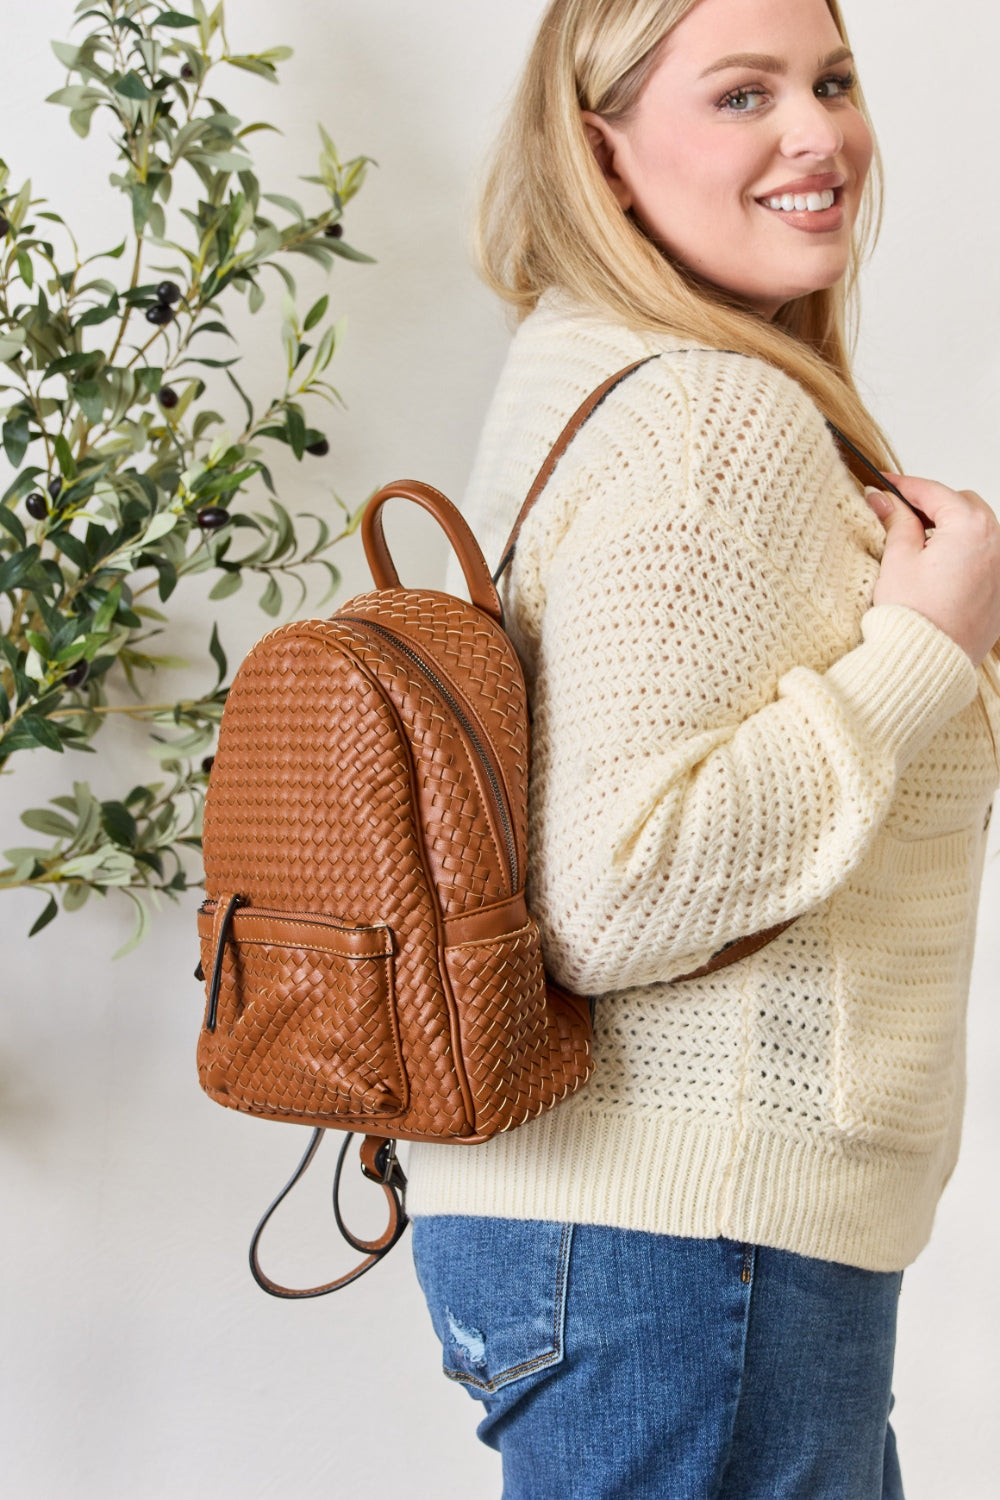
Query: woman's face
x,y
745,156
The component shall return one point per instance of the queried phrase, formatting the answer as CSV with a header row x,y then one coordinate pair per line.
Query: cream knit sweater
x,y
726,735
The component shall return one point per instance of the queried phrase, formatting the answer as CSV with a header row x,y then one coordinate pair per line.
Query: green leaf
x,y
315,314
119,824
64,454
335,581
296,428
10,523
74,94
222,161
50,910
270,599
75,895
131,86
259,64
11,344
88,396
218,655
26,269
109,608
160,526
32,730
95,315
80,119
15,439
288,204
66,53
16,568
73,548
348,252
212,327
243,395
141,928
42,820
142,204
326,350
70,362
229,583
258,125
174,18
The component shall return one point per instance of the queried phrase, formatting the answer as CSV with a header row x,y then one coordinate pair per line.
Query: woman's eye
x,y
837,87
744,101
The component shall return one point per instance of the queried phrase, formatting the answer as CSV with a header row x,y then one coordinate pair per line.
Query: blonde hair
x,y
548,219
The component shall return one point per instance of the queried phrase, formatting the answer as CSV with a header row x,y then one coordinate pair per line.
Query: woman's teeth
x,y
812,203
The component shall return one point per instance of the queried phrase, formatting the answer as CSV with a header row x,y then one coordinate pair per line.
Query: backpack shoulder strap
x,y
585,410
741,947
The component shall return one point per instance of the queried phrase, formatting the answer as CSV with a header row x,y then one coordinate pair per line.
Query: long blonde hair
x,y
547,218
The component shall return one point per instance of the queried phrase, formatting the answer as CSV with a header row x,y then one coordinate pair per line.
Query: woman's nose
x,y
811,130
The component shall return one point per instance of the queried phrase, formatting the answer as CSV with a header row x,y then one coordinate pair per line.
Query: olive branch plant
x,y
126,480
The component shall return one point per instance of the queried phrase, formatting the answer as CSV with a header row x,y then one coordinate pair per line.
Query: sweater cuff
x,y
905,681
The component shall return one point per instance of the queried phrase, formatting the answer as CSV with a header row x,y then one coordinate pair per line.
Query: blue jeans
x,y
616,1365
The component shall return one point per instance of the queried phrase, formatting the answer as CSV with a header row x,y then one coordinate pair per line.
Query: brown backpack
x,y
369,959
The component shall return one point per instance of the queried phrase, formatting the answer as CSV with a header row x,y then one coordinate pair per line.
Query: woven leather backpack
x,y
369,960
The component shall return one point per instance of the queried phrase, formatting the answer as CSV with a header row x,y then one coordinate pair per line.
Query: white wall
x,y
138,1360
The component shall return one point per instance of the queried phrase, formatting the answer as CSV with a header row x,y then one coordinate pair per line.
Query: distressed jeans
x,y
617,1365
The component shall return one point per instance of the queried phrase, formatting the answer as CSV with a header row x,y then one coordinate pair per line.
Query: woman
x,y
756,701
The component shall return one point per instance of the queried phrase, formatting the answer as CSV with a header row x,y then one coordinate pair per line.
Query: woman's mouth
x,y
811,203
818,211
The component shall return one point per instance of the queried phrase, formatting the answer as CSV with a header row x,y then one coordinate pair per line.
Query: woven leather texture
x,y
371,774
507,1047
307,1025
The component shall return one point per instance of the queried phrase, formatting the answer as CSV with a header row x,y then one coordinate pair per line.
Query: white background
x,y
137,1359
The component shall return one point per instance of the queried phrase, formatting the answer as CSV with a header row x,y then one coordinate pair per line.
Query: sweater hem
x,y
841,1201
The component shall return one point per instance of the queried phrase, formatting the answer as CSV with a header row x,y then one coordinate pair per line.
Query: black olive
x,y
55,488
77,675
334,231
169,397
207,764
168,291
36,505
187,71
4,226
319,449
211,517
159,314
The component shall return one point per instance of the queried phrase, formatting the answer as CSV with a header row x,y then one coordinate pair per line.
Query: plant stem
x,y
128,306
130,710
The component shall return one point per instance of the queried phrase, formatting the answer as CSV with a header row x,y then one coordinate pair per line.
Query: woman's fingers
x,y
935,500
903,527
952,578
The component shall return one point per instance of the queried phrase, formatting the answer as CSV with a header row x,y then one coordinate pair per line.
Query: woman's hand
x,y
952,574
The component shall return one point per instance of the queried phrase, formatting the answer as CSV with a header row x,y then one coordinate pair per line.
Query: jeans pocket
x,y
496,1291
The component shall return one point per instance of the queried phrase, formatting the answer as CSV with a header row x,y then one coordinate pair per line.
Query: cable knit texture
x,y
726,734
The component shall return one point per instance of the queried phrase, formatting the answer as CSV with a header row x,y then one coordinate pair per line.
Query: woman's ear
x,y
602,139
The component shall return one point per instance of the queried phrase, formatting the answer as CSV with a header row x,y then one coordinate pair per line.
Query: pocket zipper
x,y
210,905
450,695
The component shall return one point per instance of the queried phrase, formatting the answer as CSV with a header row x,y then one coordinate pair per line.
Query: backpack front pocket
x,y
522,1044
305,1015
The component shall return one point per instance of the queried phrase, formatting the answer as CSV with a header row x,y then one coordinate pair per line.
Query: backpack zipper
x,y
482,754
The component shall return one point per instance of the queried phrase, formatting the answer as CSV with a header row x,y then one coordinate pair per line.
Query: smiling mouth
x,y
812,203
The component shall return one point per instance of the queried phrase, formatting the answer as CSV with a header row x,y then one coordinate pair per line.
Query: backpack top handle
x,y
482,590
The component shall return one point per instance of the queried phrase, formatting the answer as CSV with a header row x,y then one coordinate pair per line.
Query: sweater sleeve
x,y
721,718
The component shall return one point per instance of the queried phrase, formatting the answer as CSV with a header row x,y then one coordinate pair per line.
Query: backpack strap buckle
x,y
379,1162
